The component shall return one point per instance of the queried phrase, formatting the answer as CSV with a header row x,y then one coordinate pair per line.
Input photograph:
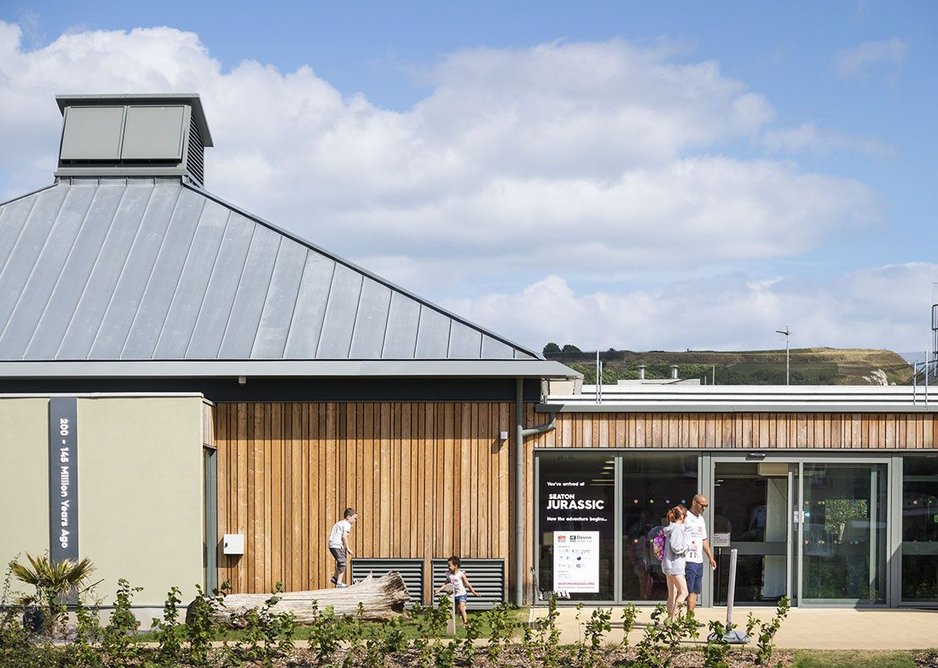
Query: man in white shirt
x,y
698,545
338,544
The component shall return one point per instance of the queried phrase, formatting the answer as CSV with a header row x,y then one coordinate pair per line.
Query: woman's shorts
x,y
462,598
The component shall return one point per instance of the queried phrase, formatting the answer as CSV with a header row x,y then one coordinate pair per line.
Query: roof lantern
x,y
133,135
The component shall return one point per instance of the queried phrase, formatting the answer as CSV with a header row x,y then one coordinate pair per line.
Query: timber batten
x,y
428,480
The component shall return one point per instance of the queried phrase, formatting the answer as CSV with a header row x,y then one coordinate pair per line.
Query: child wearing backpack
x,y
672,563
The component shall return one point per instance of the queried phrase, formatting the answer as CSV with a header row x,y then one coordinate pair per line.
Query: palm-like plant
x,y
53,580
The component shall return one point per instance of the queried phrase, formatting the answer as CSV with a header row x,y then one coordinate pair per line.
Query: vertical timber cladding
x,y
713,431
429,479
63,478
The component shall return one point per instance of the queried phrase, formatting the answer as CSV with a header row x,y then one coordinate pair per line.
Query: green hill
x,y
808,366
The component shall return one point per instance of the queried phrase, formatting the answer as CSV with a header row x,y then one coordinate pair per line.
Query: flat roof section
x,y
746,399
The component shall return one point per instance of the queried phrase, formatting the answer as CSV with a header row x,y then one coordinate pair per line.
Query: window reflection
x,y
651,483
920,529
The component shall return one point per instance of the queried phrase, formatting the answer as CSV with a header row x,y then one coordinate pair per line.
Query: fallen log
x,y
380,598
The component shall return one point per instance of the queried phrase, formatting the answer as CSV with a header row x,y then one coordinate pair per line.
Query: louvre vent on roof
x,y
195,156
133,135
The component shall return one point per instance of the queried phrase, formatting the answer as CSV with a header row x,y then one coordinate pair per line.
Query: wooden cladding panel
x,y
705,431
428,480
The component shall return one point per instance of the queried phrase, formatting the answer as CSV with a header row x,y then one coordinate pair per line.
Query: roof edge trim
x,y
289,368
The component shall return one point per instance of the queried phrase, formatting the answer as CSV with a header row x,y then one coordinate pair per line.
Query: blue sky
x,y
612,174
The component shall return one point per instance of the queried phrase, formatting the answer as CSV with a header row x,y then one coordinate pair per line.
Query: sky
x,y
629,175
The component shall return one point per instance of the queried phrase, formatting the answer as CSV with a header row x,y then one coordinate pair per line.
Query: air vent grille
x,y
195,156
486,575
411,571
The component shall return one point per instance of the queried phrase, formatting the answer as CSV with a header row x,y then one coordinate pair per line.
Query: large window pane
x,y
844,532
750,509
920,529
651,483
576,523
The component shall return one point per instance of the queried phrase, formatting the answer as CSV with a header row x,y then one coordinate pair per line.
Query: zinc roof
x,y
141,269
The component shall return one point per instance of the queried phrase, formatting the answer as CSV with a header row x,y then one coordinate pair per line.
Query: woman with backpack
x,y
673,559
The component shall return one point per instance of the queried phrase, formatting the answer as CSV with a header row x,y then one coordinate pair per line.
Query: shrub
x,y
325,634
53,582
118,645
767,630
169,633
200,629
717,649
268,634
629,613
501,626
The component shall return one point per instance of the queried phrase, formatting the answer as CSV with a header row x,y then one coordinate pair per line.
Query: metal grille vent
x,y
195,155
411,571
486,575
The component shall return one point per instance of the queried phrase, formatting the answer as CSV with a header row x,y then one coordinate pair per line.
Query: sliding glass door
x,y
843,535
752,507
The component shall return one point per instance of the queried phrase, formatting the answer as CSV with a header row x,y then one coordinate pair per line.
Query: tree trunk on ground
x,y
381,599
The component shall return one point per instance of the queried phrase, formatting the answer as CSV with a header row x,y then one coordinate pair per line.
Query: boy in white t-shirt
x,y
697,547
338,544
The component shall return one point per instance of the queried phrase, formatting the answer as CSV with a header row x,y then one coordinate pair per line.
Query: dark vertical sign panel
x,y
63,478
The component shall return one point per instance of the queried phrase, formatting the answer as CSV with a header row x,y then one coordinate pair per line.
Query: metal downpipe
x,y
520,433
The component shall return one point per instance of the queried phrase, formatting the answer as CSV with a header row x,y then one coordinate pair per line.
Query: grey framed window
x,y
920,529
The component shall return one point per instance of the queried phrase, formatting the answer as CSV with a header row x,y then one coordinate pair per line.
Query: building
x,y
828,494
174,370
190,395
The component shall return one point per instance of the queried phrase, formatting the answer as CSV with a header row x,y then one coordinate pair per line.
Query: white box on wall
x,y
233,543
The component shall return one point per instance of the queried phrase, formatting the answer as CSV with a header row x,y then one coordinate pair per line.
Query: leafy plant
x,y
717,648
765,646
473,630
268,635
751,622
53,581
169,633
118,644
549,635
662,638
629,614
501,625
325,634
596,627
200,629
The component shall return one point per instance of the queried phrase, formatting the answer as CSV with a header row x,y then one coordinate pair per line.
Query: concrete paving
x,y
804,628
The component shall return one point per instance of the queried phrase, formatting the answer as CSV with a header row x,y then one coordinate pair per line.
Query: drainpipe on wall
x,y
520,433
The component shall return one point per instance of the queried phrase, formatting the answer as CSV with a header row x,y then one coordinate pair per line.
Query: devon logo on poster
x,y
576,561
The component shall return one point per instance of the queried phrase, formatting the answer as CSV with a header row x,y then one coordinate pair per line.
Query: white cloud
x,y
863,309
808,137
855,62
576,159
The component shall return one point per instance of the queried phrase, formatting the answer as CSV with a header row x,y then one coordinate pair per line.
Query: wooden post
x,y
451,624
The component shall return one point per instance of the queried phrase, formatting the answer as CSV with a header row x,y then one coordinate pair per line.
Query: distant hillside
x,y
809,366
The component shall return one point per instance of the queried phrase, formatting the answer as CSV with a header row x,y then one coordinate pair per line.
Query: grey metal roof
x,y
136,269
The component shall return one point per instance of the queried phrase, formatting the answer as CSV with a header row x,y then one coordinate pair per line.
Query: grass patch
x,y
852,659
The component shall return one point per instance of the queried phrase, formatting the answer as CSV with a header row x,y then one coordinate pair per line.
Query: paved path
x,y
803,628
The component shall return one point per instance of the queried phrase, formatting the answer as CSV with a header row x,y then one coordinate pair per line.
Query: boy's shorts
x,y
462,598
693,572
339,554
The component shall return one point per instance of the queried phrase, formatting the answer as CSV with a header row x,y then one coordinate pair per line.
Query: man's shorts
x,y
693,573
339,554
